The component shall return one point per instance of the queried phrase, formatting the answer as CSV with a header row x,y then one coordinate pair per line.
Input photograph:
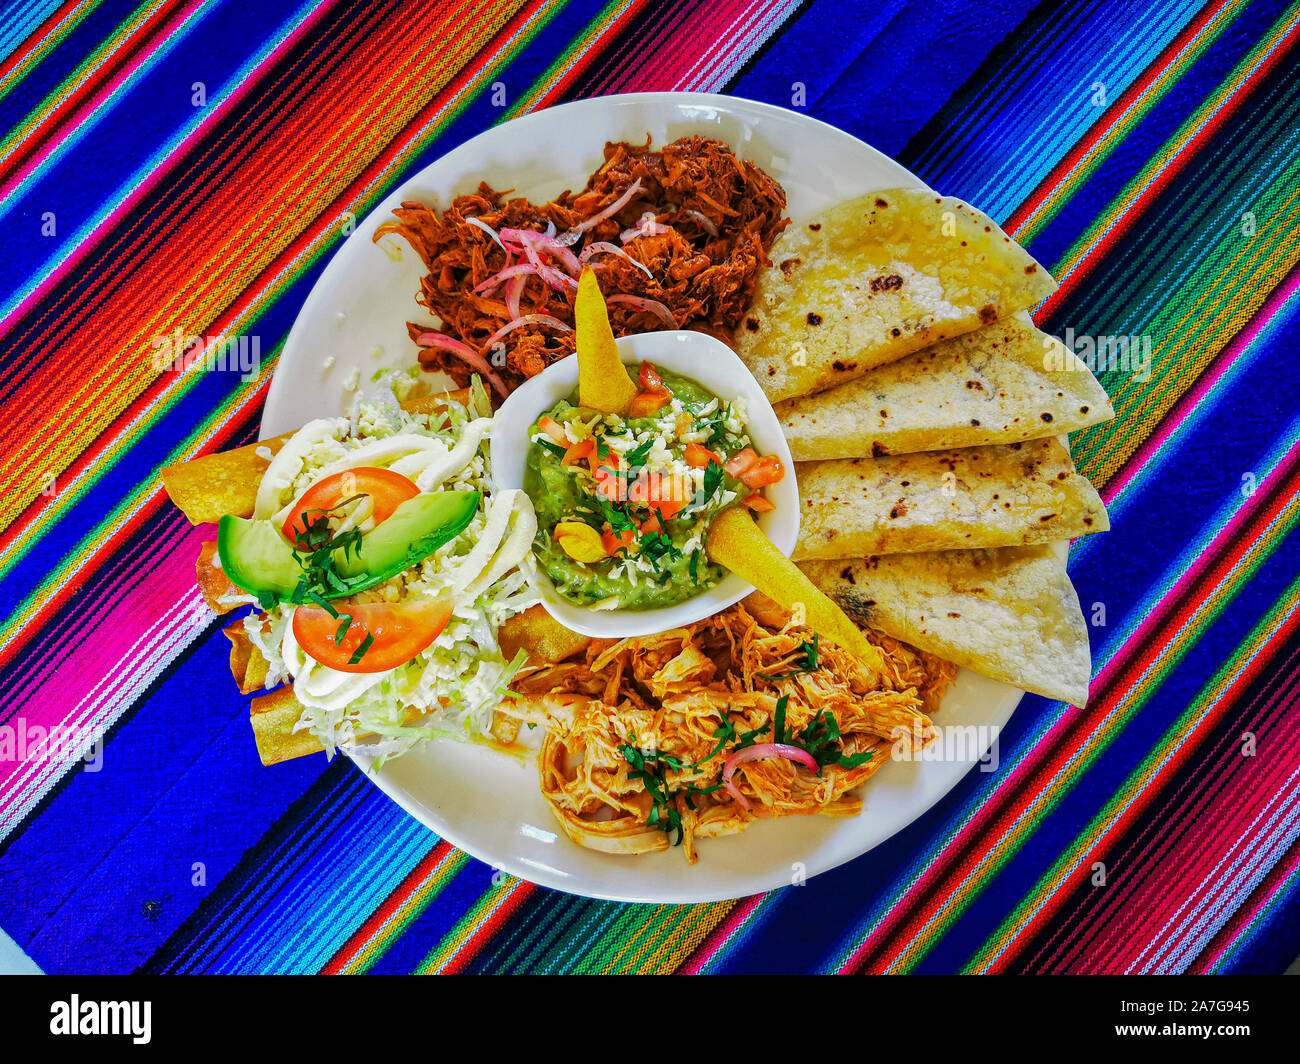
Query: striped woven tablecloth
x,y
172,164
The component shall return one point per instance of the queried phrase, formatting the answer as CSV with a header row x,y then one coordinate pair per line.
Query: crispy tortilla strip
x,y
247,664
1010,613
544,639
213,485
876,278
215,586
273,717
1000,496
1004,383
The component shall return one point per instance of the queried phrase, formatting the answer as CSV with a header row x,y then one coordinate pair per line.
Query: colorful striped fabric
x,y
176,164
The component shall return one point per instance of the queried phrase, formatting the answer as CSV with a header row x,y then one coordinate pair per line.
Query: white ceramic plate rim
x,y
714,366
491,812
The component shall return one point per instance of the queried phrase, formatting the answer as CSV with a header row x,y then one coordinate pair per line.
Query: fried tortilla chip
x,y
603,383
544,639
736,543
874,279
993,385
1010,613
1000,496
213,485
273,717
247,664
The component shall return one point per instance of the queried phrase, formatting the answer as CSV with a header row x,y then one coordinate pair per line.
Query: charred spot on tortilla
x,y
886,284
814,318
988,313
1046,416
789,265
752,324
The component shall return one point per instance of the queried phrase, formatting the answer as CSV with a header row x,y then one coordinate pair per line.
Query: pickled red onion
x,y
514,289
653,306
577,231
753,753
435,341
478,223
527,319
598,247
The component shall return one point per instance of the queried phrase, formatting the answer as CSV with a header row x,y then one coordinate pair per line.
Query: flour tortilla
x,y
999,496
1010,614
1003,383
874,279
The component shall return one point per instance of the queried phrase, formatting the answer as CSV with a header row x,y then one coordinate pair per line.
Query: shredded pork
x,y
640,730
704,220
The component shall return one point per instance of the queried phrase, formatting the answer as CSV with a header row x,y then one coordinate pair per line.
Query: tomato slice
x,y
698,456
387,490
400,631
758,504
767,470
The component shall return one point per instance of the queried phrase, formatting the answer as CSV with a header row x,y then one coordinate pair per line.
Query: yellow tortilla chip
x,y
989,386
247,664
736,543
874,279
603,383
1000,496
1010,614
540,636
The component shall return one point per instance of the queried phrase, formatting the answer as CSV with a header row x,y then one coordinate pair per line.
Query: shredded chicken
x,y
707,221
640,730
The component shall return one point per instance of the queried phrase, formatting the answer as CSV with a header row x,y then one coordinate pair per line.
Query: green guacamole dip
x,y
636,495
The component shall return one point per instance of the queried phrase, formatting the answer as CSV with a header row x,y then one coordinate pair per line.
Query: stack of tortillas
x,y
924,411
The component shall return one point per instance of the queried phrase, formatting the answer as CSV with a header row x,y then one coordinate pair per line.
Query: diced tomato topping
x,y
698,456
647,404
614,542
554,430
579,451
609,483
651,525
740,461
767,470
758,503
650,379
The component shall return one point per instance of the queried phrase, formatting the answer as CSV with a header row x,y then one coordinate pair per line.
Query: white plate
x,y
486,803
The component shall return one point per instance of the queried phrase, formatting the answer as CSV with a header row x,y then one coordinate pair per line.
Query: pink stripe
x,y
83,113
1136,465
720,936
111,220
1185,805
1138,906
1236,929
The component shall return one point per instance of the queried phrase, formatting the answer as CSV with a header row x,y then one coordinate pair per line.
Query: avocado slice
x,y
257,557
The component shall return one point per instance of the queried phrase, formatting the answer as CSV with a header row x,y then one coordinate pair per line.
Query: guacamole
x,y
624,503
